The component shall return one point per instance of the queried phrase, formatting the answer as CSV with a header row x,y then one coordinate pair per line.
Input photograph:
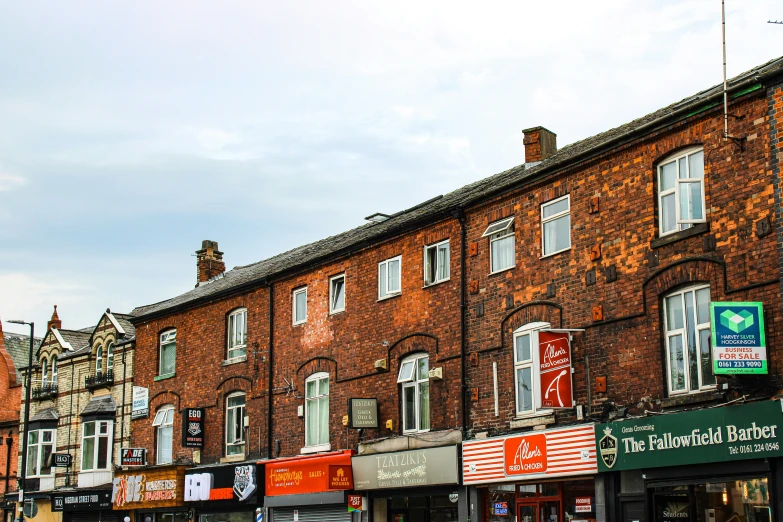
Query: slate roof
x,y
45,415
79,340
442,206
18,347
100,405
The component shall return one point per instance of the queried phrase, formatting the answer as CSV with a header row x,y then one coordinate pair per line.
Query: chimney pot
x,y
209,261
540,143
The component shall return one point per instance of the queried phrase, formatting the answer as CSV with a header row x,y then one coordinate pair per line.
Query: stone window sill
x,y
164,377
691,398
235,360
668,239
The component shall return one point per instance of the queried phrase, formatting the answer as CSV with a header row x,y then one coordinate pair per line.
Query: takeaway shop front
x,y
225,493
420,485
310,488
535,476
714,465
151,494
85,505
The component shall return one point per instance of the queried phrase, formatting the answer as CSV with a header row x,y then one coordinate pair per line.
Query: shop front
x,y
85,505
309,488
151,494
420,485
224,493
712,465
536,476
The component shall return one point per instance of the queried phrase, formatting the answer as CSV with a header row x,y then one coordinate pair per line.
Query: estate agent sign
x,y
747,431
140,407
738,342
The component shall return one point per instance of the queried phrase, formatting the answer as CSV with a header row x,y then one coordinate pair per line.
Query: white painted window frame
x,y
167,338
532,330
676,190
384,292
163,420
497,231
554,217
332,281
235,344
96,446
407,381
39,455
294,295
321,446
110,357
239,418
427,262
99,360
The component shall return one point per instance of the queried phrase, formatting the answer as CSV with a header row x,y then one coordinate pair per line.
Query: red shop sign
x,y
314,474
525,454
554,362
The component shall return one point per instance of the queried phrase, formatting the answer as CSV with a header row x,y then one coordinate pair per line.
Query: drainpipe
x,y
459,214
270,373
124,387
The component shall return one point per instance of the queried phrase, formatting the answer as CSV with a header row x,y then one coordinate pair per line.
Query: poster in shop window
x,y
554,364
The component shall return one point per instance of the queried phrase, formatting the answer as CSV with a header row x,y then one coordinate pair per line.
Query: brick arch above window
x,y
163,398
415,342
527,313
233,384
317,365
686,272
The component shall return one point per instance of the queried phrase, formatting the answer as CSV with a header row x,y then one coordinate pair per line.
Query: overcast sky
x,y
131,131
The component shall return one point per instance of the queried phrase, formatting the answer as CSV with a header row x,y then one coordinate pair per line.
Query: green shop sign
x,y
738,342
747,431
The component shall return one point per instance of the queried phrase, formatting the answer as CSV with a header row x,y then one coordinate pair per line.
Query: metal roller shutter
x,y
95,516
313,514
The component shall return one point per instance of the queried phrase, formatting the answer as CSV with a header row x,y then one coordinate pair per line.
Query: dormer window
x,y
44,370
99,361
110,357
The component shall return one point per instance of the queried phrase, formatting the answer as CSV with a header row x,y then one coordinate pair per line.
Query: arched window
x,y
110,357
317,411
44,370
164,423
527,381
235,424
99,361
415,380
686,315
54,369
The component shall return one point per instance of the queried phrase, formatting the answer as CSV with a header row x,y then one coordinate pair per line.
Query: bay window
x,y
40,446
97,445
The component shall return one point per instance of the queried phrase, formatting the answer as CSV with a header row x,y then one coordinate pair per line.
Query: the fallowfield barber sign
x,y
737,432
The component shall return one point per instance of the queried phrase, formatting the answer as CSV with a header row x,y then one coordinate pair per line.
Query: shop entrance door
x,y
549,511
672,506
527,513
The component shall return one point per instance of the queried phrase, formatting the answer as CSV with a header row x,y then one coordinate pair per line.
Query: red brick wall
x,y
10,401
201,380
626,347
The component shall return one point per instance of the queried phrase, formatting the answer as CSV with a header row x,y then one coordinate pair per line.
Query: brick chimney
x,y
209,261
540,143
54,322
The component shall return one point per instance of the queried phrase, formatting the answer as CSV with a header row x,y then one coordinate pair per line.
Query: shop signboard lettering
x,y
424,467
525,454
747,431
156,488
738,340
62,460
363,413
583,504
133,456
232,483
93,500
354,503
554,360
193,427
309,475
140,407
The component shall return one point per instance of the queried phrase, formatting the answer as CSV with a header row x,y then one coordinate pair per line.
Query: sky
x,y
132,131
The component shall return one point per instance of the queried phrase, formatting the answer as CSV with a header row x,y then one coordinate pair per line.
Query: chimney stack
x,y
209,261
54,322
540,143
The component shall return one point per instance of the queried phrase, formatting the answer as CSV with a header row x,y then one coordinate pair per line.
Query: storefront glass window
x,y
579,500
226,517
527,490
501,503
732,501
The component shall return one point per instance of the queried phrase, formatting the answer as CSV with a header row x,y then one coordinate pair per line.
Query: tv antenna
x,y
779,22
726,136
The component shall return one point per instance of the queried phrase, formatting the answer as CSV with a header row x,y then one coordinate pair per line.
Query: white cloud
x,y
9,182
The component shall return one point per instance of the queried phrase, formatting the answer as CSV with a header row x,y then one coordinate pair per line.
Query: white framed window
x,y
317,412
44,370
53,379
40,446
437,259
686,316
168,353
164,424
556,226
390,277
527,383
300,305
99,361
501,245
415,380
235,424
681,191
97,445
110,357
337,294
237,334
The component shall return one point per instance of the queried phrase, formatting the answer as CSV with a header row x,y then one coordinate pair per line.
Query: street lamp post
x,y
21,477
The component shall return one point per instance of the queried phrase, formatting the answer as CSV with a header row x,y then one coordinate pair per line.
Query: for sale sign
x,y
554,360
738,342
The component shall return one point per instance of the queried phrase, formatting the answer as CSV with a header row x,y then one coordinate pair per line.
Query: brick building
x,y
14,352
448,315
81,398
